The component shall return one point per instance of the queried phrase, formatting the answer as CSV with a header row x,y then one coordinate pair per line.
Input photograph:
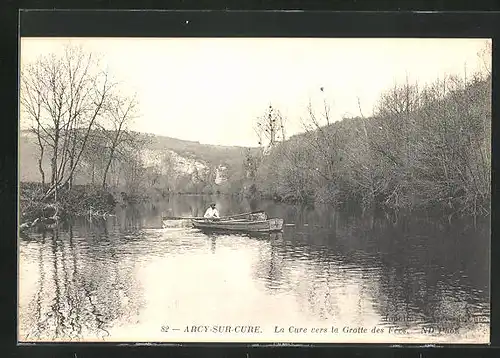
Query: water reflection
x,y
92,280
81,287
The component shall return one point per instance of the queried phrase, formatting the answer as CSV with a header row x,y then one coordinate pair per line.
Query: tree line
x,y
424,148
80,117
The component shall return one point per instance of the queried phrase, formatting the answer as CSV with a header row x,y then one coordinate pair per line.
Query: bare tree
x,y
133,170
91,162
399,100
64,97
485,56
322,139
121,111
270,128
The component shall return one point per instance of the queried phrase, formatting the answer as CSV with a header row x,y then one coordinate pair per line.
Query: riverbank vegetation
x,y
424,148
78,116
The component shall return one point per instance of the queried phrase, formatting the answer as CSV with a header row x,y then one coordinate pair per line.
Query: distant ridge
x,y
213,155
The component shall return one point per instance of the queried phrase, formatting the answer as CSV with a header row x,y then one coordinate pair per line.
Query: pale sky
x,y
211,90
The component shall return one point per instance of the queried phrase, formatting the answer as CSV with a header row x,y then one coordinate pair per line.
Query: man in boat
x,y
211,212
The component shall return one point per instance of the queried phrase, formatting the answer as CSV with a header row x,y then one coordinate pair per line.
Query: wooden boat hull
x,y
270,225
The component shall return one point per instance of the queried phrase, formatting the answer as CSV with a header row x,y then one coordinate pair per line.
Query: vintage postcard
x,y
254,190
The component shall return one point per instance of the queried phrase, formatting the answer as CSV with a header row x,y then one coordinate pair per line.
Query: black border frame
x,y
234,24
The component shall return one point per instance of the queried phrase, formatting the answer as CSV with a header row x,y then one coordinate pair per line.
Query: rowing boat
x,y
256,221
241,225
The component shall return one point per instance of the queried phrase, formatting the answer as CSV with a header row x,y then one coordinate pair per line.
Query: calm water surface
x,y
129,279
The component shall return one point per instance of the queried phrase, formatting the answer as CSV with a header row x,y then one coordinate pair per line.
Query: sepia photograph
x,y
254,190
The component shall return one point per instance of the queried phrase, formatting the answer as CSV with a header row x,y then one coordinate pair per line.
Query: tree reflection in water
x,y
269,267
413,269
82,289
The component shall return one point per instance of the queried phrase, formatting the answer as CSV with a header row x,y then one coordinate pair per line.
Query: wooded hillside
x,y
424,148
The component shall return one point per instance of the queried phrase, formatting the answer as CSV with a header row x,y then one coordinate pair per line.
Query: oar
x,y
181,217
244,214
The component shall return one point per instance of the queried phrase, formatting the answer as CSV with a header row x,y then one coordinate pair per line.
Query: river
x,y
331,276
